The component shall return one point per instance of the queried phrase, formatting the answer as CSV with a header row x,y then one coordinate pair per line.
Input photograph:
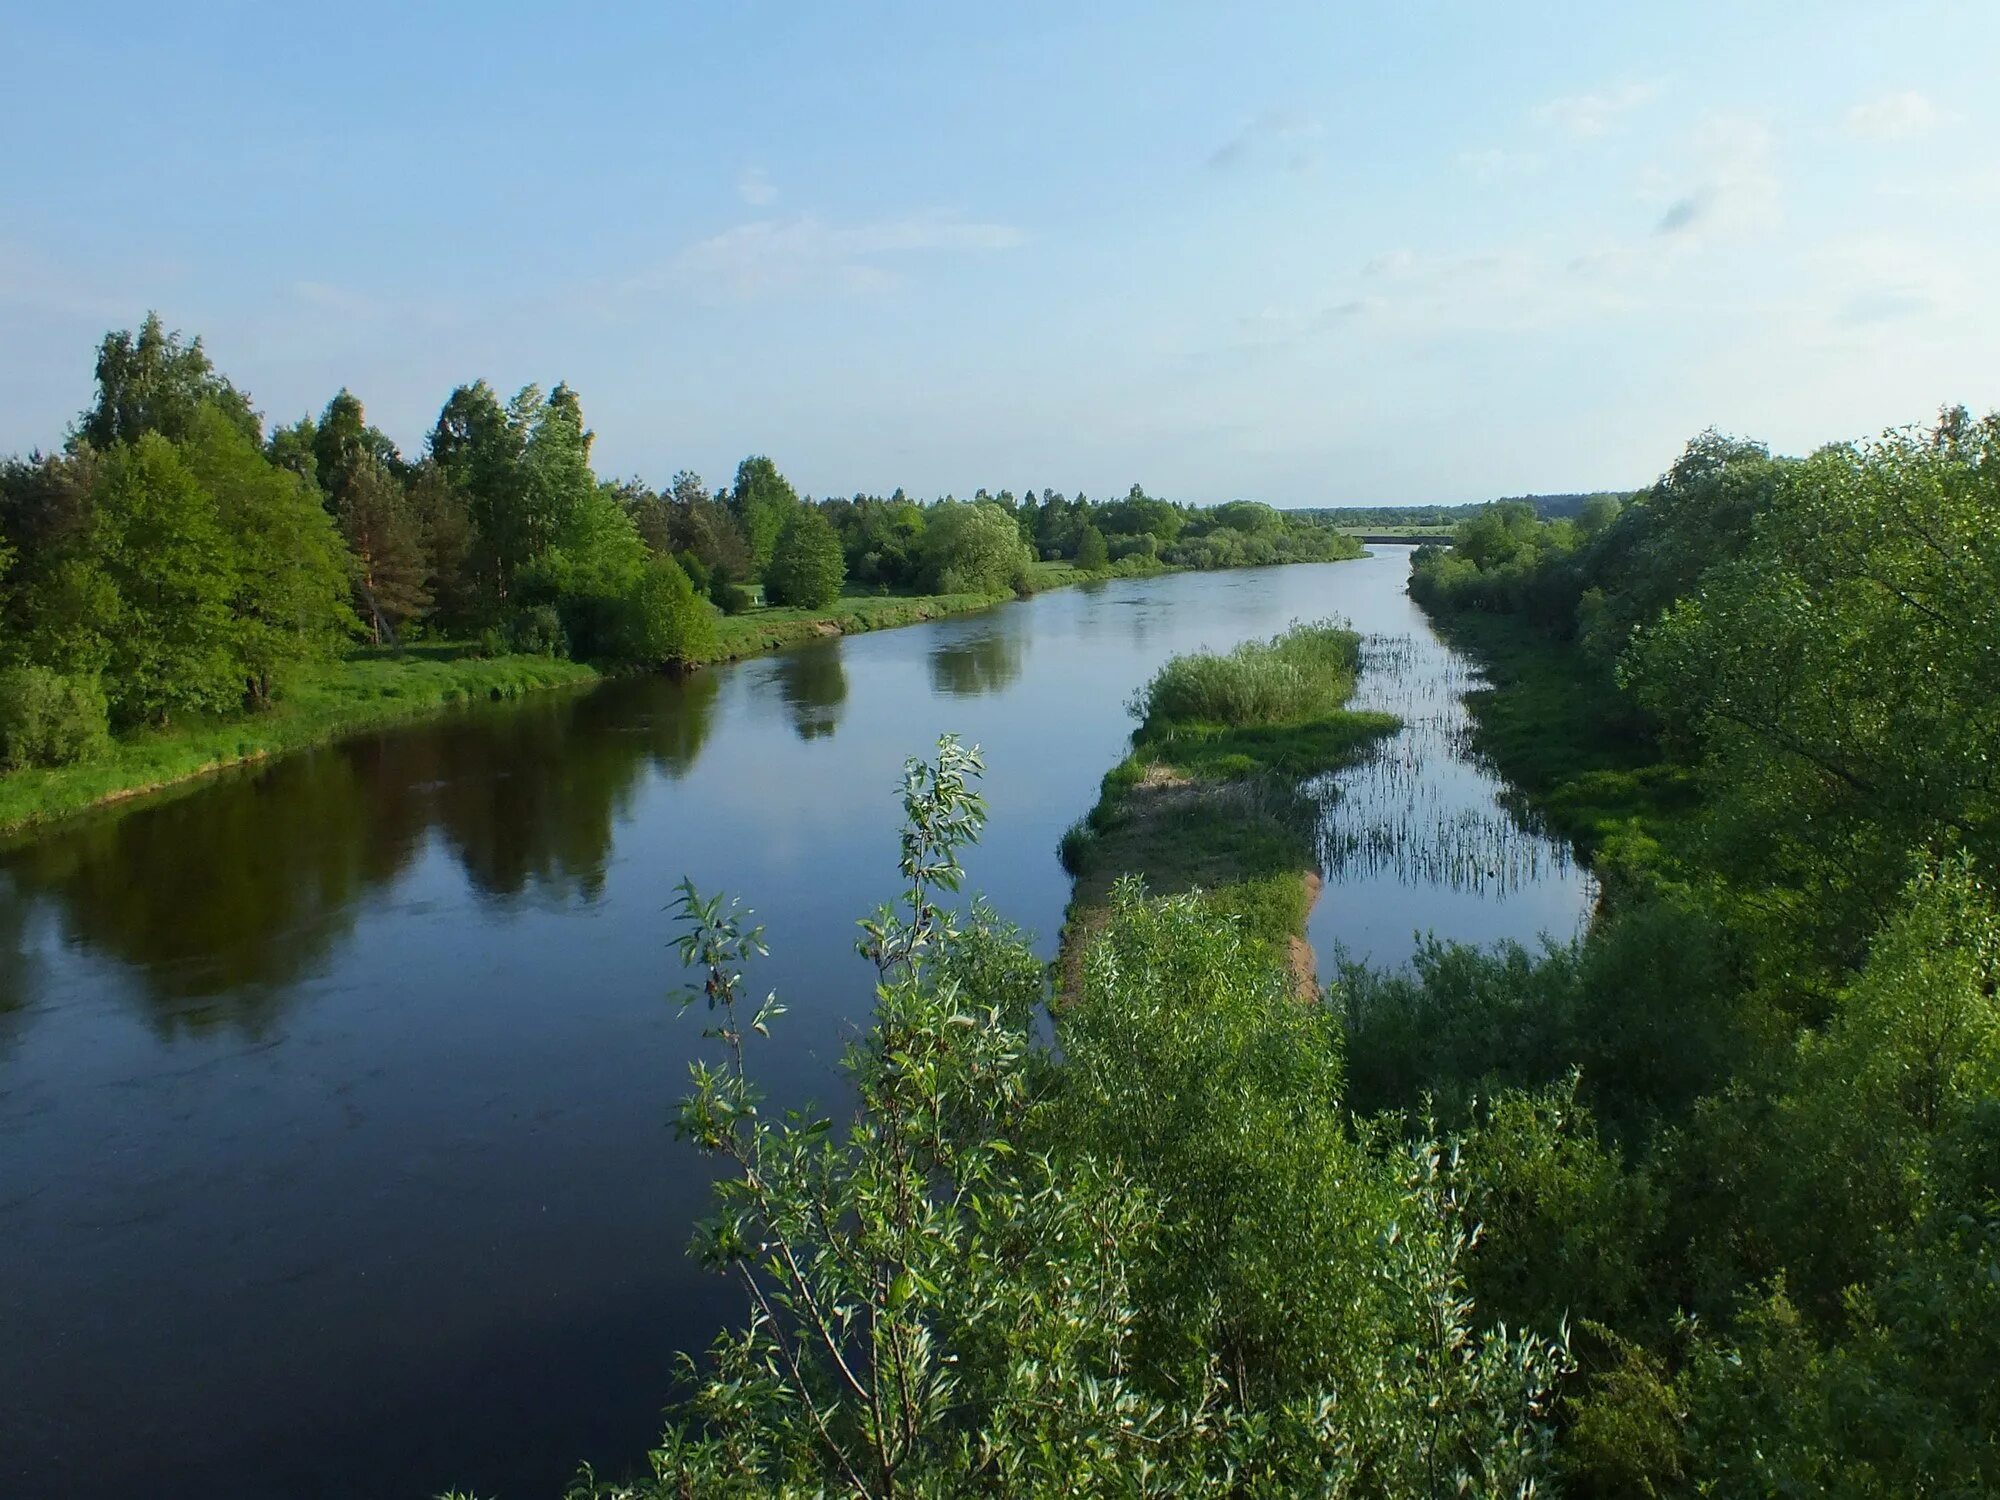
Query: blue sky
x,y
1308,253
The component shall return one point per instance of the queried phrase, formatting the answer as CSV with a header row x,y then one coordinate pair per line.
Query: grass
x,y
365,690
1213,795
1571,746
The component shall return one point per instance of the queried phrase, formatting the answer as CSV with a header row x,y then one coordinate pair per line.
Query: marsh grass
x,y
1305,674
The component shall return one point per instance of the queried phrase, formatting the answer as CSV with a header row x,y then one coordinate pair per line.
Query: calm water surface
x,y
334,1097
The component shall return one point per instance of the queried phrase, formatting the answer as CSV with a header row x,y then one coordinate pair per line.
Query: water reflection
x,y
277,863
971,665
812,684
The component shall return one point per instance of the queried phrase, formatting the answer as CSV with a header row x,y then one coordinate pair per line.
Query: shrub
x,y
47,719
537,631
662,620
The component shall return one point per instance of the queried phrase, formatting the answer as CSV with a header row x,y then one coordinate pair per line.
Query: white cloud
x,y
1894,117
773,254
1586,116
755,188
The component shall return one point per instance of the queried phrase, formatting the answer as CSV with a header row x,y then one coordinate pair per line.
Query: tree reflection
x,y
221,900
224,898
975,664
812,684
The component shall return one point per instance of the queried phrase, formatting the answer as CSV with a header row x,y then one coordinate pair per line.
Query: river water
x,y
335,1154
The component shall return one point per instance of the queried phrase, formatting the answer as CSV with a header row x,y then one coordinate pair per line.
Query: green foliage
x,y
664,622
1308,672
1092,556
47,719
153,382
972,549
968,1287
807,568
760,502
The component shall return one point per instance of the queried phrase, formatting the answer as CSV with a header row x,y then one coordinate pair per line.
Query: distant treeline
x,y
1549,507
175,557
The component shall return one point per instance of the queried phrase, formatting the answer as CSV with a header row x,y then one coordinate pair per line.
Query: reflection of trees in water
x,y
526,800
812,684
224,898
975,664
17,965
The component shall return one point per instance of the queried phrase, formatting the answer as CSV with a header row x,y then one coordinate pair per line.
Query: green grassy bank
x,y
1572,748
320,703
1211,798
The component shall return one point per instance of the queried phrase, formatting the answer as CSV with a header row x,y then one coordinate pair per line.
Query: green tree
x,y
663,621
806,567
1091,553
760,502
155,382
387,542
169,642
288,568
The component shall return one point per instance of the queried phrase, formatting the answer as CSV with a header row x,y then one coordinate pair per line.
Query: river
x,y
335,1154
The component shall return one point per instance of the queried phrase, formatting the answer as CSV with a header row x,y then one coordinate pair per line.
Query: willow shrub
x,y
1160,1262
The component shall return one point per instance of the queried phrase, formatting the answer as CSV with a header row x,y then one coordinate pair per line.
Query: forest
x,y
176,562
1704,1202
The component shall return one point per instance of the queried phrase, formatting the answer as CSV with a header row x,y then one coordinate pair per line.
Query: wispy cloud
x,y
1587,116
1900,116
755,188
775,254
1282,135
1735,188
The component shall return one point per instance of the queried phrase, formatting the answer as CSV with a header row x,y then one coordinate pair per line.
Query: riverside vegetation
x,y
1705,1202
180,587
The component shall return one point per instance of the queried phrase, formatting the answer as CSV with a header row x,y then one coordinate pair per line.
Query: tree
x,y
1092,556
806,568
760,502
156,383
289,570
387,543
344,445
169,639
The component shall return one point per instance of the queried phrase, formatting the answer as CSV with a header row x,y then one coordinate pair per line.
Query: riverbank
x,y
1213,796
774,628
372,690
322,703
1574,752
